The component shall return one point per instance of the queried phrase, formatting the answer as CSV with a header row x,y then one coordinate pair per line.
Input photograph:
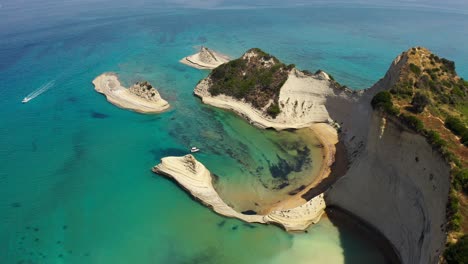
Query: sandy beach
x,y
109,85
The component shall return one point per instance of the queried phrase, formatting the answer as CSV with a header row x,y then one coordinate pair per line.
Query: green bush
x,y
273,110
413,122
456,125
464,139
458,92
435,140
457,253
449,65
453,214
460,180
419,102
415,69
383,101
250,80
381,98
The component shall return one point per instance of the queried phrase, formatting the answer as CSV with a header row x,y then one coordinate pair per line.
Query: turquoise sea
x,y
75,179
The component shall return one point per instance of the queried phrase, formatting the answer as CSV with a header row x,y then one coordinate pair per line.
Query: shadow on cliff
x,y
351,226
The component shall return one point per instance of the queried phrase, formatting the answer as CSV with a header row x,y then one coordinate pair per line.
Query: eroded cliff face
x,y
395,182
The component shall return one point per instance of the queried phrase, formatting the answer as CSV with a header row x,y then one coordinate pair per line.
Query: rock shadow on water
x,y
249,212
347,224
168,152
72,99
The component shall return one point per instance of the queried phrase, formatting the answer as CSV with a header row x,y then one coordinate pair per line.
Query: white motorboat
x,y
25,100
194,149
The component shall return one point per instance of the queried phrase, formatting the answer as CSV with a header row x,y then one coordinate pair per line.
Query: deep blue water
x,y
75,179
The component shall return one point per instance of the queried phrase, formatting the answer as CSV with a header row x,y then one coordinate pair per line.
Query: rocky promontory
x,y
197,180
141,97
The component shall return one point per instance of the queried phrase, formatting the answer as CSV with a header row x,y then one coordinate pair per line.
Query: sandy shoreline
x,y
109,85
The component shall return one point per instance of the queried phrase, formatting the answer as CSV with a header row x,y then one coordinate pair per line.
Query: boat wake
x,y
38,91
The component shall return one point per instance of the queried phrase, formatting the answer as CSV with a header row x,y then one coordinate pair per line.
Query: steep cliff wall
x,y
400,186
395,182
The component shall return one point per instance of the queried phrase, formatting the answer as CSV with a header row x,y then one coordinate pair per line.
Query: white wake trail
x,y
40,90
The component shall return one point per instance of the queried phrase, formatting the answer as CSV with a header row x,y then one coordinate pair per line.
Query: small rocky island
x,y
267,92
405,139
205,59
141,97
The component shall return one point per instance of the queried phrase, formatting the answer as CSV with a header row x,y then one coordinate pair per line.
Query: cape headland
x,y
205,59
141,97
407,166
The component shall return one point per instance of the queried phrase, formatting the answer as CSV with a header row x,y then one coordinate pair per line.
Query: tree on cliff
x,y
457,253
419,102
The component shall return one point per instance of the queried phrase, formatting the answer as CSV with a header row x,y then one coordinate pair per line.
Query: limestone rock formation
x,y
275,95
196,179
205,59
146,91
141,97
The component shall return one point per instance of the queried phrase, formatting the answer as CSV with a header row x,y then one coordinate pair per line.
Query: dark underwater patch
x,y
202,39
15,205
249,225
179,67
221,224
282,185
282,168
98,115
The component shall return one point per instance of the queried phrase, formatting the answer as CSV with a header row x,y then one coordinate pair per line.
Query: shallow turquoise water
x,y
75,179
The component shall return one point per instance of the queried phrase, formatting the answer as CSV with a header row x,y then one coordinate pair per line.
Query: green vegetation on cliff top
x,y
431,99
256,77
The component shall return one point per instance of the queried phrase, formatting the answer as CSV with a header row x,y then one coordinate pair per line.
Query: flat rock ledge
x,y
196,179
142,97
205,59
